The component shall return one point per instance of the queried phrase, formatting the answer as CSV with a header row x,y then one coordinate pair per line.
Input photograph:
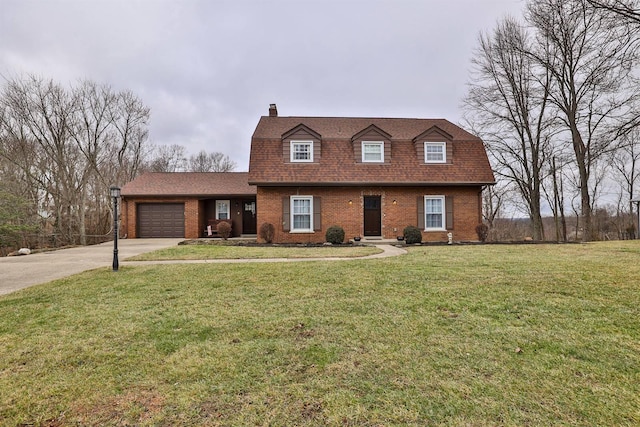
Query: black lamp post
x,y
115,194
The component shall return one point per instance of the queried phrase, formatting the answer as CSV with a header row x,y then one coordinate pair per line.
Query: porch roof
x,y
195,184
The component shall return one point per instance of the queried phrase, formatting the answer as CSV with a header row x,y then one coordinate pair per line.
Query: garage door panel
x,y
160,220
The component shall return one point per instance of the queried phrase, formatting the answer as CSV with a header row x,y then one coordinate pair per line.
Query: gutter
x,y
374,184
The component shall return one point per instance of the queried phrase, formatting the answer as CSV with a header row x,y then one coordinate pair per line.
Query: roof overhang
x,y
189,196
371,184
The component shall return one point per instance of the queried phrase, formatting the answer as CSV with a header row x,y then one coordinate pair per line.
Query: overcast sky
x,y
208,69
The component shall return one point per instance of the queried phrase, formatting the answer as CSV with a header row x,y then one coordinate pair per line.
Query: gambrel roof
x,y
338,164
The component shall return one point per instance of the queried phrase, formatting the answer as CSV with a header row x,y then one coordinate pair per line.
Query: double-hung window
x,y
301,213
372,152
435,152
434,212
302,151
222,209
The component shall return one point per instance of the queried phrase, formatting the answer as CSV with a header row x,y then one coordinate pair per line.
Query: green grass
x,y
461,335
222,251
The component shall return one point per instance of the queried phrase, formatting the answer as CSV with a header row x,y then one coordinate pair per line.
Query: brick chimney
x,y
273,110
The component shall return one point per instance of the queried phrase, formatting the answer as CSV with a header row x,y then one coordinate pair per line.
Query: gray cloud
x,y
209,69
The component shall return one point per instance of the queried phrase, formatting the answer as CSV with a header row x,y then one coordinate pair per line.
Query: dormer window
x,y
371,145
302,151
372,151
435,152
301,144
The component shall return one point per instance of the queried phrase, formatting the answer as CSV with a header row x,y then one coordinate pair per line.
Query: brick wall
x,y
193,218
343,206
197,212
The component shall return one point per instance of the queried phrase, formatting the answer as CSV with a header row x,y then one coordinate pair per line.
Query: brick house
x,y
185,204
371,176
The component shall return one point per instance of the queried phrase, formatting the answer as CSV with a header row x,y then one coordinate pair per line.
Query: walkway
x,y
21,272
387,251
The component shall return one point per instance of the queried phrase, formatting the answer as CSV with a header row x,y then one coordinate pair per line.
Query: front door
x,y
372,216
249,217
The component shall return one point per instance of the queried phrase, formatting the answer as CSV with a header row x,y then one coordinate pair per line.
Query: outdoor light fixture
x,y
350,202
115,195
395,202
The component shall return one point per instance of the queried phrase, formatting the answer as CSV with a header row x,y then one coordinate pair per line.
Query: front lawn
x,y
454,335
230,251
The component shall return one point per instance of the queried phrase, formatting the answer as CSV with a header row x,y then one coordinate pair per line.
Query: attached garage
x,y
182,204
160,220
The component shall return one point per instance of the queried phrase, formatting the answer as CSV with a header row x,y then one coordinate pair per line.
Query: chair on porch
x,y
212,227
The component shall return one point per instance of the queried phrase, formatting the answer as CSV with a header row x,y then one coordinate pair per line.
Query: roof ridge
x,y
357,117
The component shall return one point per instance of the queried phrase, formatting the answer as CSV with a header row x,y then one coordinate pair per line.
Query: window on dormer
x,y
302,151
435,152
373,152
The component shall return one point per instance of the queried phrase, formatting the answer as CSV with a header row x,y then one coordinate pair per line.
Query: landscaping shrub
x,y
482,230
335,234
267,232
412,234
224,230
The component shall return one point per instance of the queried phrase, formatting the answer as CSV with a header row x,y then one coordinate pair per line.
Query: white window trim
x,y
293,143
378,143
444,214
218,202
292,228
433,144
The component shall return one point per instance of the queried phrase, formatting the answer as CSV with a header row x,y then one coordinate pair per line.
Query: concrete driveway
x,y
23,271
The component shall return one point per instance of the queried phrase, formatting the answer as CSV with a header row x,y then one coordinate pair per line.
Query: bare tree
x,y
507,104
555,198
591,60
493,199
21,169
210,162
625,9
110,128
130,119
168,158
626,165
19,219
90,127
68,145
40,111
